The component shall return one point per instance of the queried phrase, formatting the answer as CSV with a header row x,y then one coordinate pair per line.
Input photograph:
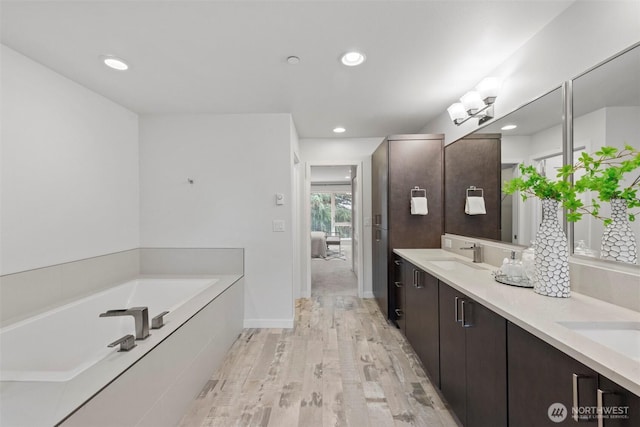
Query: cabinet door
x,y
422,328
380,269
397,286
621,408
452,351
540,376
486,366
380,185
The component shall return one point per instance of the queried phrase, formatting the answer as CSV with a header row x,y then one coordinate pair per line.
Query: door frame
x,y
305,222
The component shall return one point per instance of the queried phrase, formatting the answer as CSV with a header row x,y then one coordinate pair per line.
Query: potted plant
x,y
551,259
605,173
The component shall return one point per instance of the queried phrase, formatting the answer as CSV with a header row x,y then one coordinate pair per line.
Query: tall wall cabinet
x,y
399,164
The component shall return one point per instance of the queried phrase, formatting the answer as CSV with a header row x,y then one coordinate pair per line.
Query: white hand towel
x,y
419,206
475,206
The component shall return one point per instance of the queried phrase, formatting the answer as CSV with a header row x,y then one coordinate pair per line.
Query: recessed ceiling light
x,y
347,177
508,127
339,129
351,59
293,60
115,62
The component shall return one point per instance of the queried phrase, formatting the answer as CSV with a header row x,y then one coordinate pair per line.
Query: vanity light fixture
x,y
476,103
353,58
339,129
114,62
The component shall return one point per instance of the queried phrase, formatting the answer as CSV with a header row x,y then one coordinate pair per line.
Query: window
x,y
331,213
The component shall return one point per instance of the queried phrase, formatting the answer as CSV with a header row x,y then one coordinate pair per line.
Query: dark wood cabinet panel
x,y
415,162
452,352
400,163
486,367
473,370
422,324
620,407
399,286
541,375
380,269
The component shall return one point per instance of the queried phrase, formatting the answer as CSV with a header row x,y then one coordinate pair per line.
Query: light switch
x,y
278,225
279,199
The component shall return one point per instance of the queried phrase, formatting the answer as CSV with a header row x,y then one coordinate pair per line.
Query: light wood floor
x,y
342,365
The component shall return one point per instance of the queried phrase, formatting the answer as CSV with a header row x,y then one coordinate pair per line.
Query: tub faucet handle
x,y
127,342
158,321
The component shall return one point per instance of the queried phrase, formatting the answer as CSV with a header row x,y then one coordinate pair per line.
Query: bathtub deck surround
x,y
342,364
164,372
69,380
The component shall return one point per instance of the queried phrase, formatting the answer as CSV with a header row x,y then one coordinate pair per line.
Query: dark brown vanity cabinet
x,y
421,324
399,280
399,164
473,365
541,376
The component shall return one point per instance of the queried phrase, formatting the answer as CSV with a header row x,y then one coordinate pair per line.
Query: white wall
x,y
342,151
238,163
69,169
585,34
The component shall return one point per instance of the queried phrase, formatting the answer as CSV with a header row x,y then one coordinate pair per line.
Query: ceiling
x,y
230,56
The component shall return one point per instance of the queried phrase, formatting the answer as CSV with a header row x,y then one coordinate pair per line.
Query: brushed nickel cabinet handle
x,y
600,406
576,396
399,312
465,324
398,284
456,311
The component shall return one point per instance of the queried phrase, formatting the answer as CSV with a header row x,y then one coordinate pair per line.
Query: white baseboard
x,y
268,323
368,294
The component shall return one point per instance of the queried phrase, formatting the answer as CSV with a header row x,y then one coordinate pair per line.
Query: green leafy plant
x,y
604,173
531,183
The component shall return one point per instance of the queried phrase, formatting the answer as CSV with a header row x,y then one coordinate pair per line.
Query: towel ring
x,y
417,189
474,188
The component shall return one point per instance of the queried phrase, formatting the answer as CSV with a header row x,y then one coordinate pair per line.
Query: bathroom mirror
x,y
606,111
536,139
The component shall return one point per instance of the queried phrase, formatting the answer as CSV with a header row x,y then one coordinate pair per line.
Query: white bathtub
x,y
59,361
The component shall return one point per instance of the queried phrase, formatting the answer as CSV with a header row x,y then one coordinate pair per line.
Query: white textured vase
x,y
618,239
551,275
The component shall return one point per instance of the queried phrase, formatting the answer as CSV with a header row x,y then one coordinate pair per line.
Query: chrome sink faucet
x,y
477,251
140,315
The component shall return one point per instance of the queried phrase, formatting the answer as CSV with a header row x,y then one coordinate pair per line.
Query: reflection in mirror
x,y
606,111
536,140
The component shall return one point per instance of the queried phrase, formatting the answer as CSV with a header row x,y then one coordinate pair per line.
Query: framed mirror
x,y
532,134
605,111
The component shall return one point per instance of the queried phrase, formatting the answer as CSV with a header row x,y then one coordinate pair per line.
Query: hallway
x,y
342,365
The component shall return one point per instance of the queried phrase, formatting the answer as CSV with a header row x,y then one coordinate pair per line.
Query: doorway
x,y
333,208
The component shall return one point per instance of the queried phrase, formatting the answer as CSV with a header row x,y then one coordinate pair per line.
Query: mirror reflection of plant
x,y
604,173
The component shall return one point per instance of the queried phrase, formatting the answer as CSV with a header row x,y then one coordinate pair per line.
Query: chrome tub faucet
x,y
140,315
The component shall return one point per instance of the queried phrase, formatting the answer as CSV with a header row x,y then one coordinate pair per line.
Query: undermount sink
x,y
623,337
455,265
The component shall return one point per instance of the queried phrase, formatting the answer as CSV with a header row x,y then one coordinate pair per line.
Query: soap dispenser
x,y
516,269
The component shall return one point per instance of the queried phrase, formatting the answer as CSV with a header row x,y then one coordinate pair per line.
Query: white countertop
x,y
539,314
